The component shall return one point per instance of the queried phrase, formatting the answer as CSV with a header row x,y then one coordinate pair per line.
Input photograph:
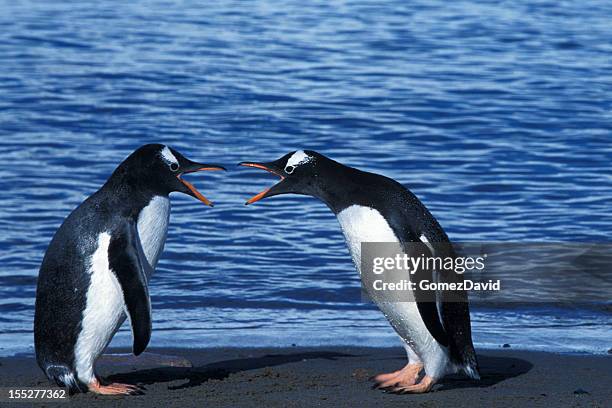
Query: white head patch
x,y
167,156
297,159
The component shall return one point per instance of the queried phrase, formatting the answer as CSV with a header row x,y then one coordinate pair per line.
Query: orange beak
x,y
194,190
261,195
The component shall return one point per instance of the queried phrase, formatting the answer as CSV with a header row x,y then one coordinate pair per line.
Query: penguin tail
x,y
65,377
464,360
471,370
469,364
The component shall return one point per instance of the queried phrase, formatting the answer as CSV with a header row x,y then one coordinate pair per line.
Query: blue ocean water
x,y
496,114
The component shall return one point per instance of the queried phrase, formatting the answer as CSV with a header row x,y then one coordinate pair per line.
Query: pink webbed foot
x,y
114,389
422,387
405,377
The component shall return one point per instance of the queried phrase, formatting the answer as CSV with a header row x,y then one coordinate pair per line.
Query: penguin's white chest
x,y
152,227
104,310
363,224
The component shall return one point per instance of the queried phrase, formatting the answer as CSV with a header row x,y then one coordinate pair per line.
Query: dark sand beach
x,y
328,376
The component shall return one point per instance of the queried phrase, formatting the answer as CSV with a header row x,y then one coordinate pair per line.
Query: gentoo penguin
x,y
373,208
96,269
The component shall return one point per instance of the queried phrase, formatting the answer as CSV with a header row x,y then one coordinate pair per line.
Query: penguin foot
x,y
405,377
422,387
114,389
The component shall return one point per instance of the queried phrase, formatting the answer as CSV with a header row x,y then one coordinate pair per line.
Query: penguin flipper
x,y
455,313
427,306
426,303
125,261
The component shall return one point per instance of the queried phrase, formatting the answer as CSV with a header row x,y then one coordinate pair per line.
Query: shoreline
x,y
326,376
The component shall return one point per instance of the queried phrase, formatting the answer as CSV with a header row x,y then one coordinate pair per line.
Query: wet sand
x,y
326,376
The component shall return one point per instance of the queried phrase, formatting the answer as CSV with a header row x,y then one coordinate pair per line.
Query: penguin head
x,y
300,172
160,169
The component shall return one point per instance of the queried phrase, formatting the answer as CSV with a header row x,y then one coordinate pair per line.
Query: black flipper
x,y
426,304
127,263
454,310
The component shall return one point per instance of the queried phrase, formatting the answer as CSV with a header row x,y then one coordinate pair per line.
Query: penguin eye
x,y
289,169
174,166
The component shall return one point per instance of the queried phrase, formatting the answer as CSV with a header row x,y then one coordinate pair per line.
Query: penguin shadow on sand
x,y
493,370
220,370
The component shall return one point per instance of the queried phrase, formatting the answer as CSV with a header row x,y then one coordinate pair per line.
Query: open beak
x,y
269,167
195,167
